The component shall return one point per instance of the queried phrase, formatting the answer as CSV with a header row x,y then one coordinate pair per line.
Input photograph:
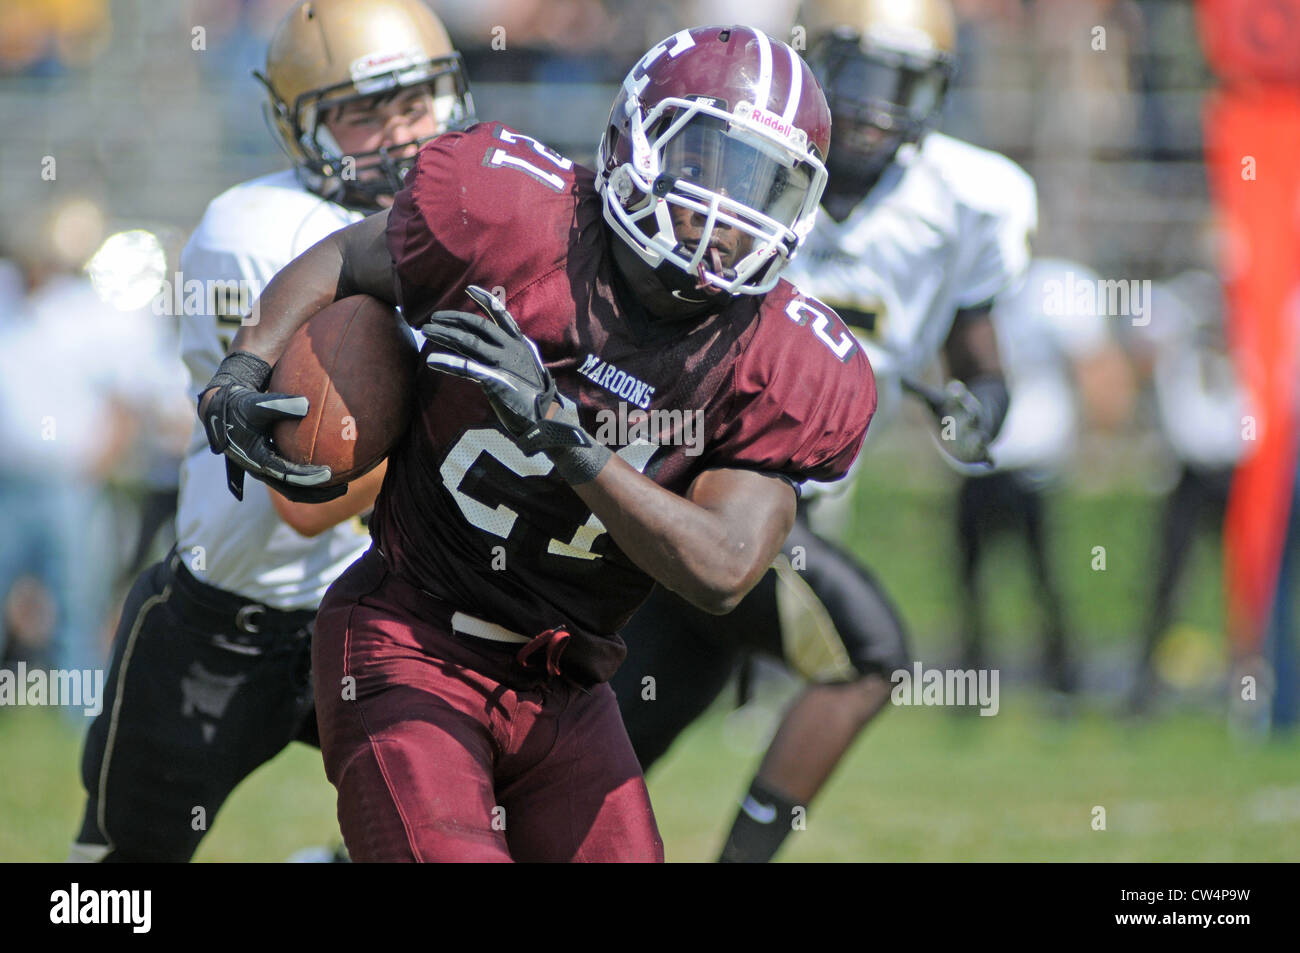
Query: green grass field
x,y
921,784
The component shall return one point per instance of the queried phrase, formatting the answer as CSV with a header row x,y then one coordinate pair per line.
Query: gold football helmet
x,y
885,66
327,53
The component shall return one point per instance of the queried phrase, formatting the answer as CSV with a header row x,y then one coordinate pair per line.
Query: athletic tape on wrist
x,y
241,368
580,464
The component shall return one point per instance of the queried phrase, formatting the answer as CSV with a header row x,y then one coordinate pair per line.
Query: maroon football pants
x,y
444,747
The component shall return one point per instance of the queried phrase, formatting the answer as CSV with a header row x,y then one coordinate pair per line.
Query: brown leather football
x,y
355,361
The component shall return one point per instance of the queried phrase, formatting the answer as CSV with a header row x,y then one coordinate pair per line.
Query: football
x,y
355,361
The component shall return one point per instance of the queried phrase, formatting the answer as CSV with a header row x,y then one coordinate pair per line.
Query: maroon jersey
x,y
775,384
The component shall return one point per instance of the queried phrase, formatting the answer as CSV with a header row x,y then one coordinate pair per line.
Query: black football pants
x,y
203,688
1009,500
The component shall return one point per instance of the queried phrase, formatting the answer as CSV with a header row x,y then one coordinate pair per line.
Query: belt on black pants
x,y
246,622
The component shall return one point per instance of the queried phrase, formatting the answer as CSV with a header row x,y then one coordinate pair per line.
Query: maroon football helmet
x,y
713,159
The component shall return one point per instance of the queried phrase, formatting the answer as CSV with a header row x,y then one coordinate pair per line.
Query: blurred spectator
x,y
557,41
125,271
1201,412
1051,348
235,38
79,380
774,17
41,37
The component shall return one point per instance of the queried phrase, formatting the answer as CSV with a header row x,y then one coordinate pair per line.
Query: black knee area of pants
x,y
870,627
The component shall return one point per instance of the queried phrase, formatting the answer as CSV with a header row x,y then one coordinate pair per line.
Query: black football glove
x,y
978,414
969,419
498,357
238,417
964,425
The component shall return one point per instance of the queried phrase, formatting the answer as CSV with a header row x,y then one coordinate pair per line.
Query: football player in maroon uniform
x,y
937,228
461,664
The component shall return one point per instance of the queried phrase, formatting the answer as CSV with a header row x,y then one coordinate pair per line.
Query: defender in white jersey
x,y
275,552
942,233
211,665
917,235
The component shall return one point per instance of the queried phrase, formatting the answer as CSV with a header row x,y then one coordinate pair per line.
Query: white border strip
x,y
764,69
796,86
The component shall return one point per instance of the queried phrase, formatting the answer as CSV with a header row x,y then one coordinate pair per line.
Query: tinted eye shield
x,y
728,171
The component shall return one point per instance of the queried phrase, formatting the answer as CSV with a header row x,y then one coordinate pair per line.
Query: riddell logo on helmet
x,y
772,121
386,62
758,118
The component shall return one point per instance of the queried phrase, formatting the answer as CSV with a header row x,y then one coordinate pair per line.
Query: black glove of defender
x,y
238,418
969,439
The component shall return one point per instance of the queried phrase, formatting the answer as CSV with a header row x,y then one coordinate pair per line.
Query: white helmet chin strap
x,y
644,159
664,219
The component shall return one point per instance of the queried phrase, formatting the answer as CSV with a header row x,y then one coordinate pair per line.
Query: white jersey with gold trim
x,y
946,228
246,235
